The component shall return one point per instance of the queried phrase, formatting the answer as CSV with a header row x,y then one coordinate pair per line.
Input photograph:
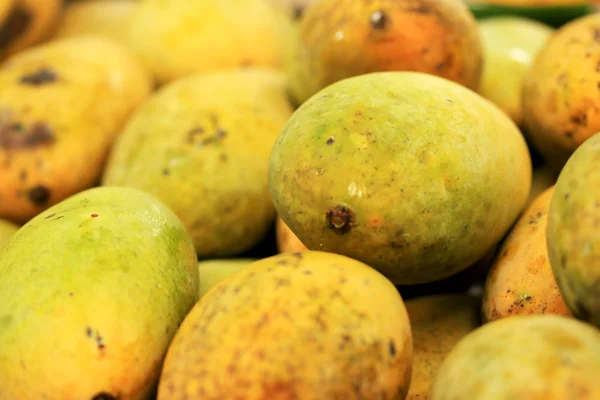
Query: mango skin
x,y
211,272
61,106
186,140
543,178
176,38
7,229
573,231
547,356
26,23
308,325
438,323
109,274
521,279
287,241
455,168
561,100
338,39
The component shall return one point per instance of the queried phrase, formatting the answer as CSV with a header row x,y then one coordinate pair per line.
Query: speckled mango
x,y
7,229
107,18
521,279
91,293
545,357
561,99
24,23
211,272
61,106
438,323
175,38
287,241
412,174
574,231
337,39
308,325
201,144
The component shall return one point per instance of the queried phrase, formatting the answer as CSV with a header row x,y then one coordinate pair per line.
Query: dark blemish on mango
x,y
392,348
88,331
15,136
307,272
298,255
39,195
567,196
94,215
104,396
534,219
70,293
223,157
579,119
23,175
330,140
166,172
298,12
191,136
379,20
341,219
14,26
50,216
39,78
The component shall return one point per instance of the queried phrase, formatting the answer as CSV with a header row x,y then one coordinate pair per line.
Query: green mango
x,y
91,294
211,272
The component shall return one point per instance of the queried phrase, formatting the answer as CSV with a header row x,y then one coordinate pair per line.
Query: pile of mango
x,y
299,199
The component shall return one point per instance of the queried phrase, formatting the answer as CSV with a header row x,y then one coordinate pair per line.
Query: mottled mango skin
x,y
307,325
561,100
211,272
438,324
202,145
574,231
287,241
7,229
337,39
176,38
61,106
91,294
410,173
534,357
24,23
521,279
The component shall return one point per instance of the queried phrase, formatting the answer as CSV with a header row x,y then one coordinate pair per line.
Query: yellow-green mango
x,y
545,357
410,173
91,294
308,325
201,144
573,231
438,323
61,106
7,229
211,272
175,38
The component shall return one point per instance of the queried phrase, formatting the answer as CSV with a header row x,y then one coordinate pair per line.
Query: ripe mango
x,y
438,323
7,229
338,39
211,272
61,106
91,293
547,357
521,279
410,173
574,231
309,325
287,241
178,37
202,144
24,23
543,178
561,100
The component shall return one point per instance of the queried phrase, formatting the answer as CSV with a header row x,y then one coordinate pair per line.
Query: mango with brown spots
x,y
309,325
61,106
534,357
24,23
287,241
337,39
561,93
521,279
412,174
574,231
438,323
201,144
7,230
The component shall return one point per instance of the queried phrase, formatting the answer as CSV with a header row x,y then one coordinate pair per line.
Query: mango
x,y
521,279
543,178
510,44
211,272
338,39
62,104
574,231
24,23
309,325
547,356
287,241
179,37
438,323
91,294
561,100
202,145
7,229
412,174
107,18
